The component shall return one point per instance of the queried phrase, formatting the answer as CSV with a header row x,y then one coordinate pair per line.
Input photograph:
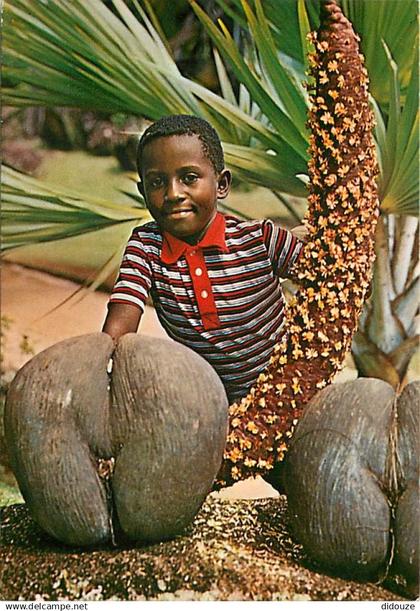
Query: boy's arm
x,y
283,247
121,318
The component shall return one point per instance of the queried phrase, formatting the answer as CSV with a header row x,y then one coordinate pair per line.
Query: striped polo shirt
x,y
222,297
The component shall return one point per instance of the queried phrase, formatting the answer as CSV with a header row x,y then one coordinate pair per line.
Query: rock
x,y
136,448
233,550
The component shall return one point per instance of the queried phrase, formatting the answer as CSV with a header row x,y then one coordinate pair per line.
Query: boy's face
x,y
181,186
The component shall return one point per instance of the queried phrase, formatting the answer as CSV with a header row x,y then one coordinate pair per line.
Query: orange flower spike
x,y
342,207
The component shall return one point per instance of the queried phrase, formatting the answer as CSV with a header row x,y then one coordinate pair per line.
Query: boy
x,y
214,279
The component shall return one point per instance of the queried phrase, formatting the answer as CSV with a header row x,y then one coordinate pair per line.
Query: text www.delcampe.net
x,y
46,606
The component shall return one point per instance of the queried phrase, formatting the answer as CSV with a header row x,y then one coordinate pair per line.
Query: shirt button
x,y
198,271
204,294
192,252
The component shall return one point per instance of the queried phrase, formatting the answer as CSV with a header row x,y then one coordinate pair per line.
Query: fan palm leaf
x,y
34,211
396,134
118,66
120,63
393,21
388,335
285,21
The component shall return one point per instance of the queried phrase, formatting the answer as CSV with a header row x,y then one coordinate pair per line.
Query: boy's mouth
x,y
179,212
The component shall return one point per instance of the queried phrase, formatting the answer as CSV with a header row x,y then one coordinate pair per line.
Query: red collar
x,y
173,248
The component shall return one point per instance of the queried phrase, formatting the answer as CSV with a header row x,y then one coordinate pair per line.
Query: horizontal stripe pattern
x,y
245,285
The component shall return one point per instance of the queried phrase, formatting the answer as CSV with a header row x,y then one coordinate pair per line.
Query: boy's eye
x,y
155,182
190,178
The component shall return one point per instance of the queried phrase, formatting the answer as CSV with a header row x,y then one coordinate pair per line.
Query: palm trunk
x,y
387,337
335,266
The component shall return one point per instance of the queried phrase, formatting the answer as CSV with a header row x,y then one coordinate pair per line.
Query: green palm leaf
x,y
123,67
397,119
284,21
399,188
92,49
34,212
280,120
251,165
394,22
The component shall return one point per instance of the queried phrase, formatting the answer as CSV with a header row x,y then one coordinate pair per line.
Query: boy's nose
x,y
174,190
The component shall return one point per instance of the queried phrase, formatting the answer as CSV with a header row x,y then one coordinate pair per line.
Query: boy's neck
x,y
196,238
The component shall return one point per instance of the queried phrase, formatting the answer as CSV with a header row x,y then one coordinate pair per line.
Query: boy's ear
x,y
140,188
224,182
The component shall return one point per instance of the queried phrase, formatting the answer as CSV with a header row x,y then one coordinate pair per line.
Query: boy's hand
x,y
300,232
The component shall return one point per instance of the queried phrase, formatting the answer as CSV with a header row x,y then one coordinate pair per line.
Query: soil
x,y
235,550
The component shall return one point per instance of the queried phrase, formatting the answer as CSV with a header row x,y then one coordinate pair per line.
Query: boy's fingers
x,y
300,232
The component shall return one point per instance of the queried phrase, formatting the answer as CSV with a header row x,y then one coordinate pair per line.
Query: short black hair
x,y
177,125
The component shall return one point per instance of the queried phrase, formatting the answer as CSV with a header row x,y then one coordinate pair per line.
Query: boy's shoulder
x,y
151,228
234,223
146,238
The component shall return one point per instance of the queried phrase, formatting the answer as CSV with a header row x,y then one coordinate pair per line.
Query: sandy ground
x,y
34,317
35,304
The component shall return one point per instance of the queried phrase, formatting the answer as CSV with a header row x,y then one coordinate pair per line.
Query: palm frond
x,y
397,129
121,65
251,164
399,186
283,19
34,211
394,22
82,55
279,115
79,52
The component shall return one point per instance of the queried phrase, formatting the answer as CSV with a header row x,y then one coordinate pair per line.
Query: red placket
x,y
173,248
202,288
